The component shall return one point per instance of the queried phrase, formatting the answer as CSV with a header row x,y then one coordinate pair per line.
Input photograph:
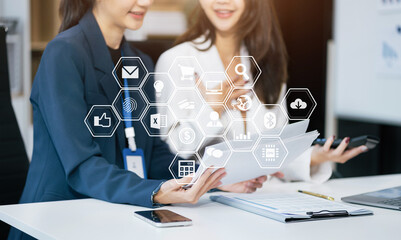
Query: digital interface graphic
x,y
204,116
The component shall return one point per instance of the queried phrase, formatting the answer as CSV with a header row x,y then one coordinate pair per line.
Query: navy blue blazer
x,y
68,163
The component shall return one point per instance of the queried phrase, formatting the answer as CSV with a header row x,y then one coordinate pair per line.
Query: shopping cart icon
x,y
187,73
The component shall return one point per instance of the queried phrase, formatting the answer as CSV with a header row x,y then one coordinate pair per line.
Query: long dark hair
x,y
71,11
259,29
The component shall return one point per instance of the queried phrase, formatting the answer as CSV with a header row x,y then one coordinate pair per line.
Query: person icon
x,y
214,120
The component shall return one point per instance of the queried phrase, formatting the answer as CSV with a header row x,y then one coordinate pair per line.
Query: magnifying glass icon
x,y
241,72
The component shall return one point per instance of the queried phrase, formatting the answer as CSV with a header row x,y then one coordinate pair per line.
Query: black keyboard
x,y
392,202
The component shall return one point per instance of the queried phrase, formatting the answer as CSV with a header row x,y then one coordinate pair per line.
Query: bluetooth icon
x,y
270,120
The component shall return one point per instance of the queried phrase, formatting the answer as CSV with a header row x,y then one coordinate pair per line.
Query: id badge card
x,y
135,162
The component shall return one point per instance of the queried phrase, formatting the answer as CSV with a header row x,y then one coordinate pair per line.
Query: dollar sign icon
x,y
187,135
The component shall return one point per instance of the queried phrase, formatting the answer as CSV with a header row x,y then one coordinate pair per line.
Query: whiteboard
x,y
368,60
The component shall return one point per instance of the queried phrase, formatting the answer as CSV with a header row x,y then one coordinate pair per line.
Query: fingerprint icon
x,y
129,105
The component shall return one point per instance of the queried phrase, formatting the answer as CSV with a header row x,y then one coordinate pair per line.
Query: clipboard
x,y
290,207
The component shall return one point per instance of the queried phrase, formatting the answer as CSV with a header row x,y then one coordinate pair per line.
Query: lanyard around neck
x,y
127,115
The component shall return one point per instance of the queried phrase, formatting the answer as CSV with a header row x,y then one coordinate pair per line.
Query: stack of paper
x,y
243,166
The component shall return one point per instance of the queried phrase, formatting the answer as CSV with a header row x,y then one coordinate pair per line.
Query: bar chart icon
x,y
242,137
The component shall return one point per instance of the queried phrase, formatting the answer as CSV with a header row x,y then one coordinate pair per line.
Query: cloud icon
x,y
298,104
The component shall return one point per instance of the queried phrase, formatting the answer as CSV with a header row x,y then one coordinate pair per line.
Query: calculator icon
x,y
186,167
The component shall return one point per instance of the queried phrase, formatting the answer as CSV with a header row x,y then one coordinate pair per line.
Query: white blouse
x,y
210,61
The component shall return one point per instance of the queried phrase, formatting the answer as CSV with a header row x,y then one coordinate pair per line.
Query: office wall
x,y
368,61
367,98
307,27
21,10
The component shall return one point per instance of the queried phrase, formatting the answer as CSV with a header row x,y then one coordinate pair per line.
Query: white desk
x,y
94,219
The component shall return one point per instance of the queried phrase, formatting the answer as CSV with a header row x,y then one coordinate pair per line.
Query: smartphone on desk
x,y
163,218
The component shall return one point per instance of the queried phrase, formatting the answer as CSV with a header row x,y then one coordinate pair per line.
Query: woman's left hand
x,y
249,186
321,154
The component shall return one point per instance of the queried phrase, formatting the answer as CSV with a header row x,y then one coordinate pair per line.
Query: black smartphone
x,y
369,141
163,218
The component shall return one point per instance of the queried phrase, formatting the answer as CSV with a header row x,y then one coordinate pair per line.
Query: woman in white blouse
x,y
227,28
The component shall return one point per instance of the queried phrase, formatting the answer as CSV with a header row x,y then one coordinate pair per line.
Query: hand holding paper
x,y
243,166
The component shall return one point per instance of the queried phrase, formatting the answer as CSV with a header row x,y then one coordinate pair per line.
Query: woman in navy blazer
x,y
75,73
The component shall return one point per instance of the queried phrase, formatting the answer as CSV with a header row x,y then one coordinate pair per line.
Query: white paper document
x,y
288,207
243,166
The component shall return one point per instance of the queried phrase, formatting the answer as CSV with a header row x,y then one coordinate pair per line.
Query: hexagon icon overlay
x,y
241,68
130,104
212,122
243,100
186,136
270,119
299,103
186,104
158,120
102,121
215,87
270,152
238,138
185,71
180,168
130,72
158,88
215,152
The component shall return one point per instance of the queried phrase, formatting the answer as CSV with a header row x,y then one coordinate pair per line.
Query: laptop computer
x,y
387,198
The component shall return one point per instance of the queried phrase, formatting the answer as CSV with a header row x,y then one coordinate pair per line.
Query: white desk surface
x,y
94,219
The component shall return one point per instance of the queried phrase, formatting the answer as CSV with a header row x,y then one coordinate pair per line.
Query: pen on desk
x,y
317,195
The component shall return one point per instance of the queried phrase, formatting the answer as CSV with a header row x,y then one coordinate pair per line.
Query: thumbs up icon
x,y
103,121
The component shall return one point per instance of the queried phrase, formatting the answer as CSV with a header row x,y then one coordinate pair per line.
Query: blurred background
x,y
347,52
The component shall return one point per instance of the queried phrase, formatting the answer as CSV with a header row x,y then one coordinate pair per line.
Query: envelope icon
x,y
130,72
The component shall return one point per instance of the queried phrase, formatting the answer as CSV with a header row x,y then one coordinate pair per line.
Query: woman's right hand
x,y
321,154
172,192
